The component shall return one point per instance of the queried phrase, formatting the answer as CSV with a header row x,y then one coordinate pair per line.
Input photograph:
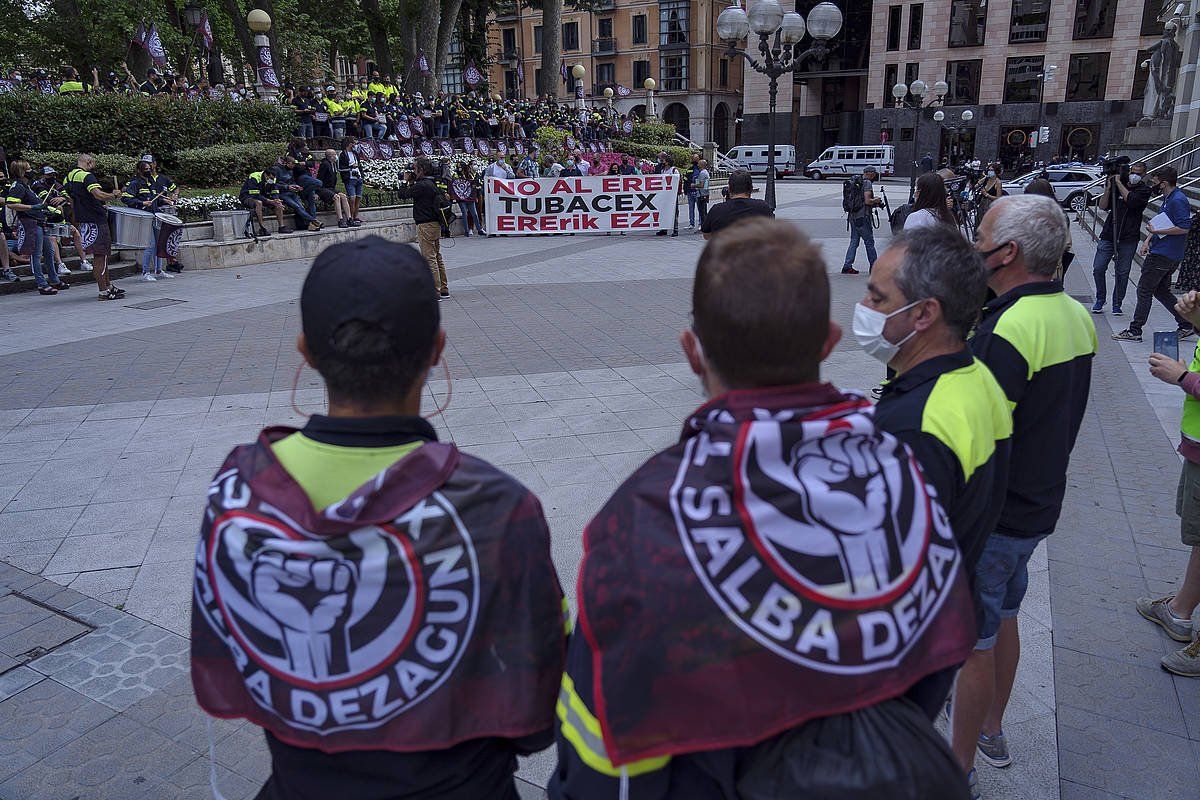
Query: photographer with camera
x,y
428,201
1125,198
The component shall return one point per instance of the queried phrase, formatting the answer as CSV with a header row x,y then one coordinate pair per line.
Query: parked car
x,y
844,160
1070,182
753,158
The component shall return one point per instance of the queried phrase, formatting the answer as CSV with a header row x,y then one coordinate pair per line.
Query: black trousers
x,y
1155,284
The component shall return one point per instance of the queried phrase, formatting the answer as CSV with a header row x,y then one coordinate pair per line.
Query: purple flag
x,y
139,36
520,70
266,68
423,63
206,30
472,75
154,46
623,91
562,70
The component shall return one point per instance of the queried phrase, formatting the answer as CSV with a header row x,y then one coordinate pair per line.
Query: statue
x,y
1163,64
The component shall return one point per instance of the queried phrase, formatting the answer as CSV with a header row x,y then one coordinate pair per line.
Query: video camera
x,y
1116,166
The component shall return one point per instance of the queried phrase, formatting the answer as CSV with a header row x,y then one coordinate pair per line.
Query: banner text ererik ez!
x,y
593,204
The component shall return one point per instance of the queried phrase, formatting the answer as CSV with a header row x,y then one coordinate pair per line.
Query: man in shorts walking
x,y
91,217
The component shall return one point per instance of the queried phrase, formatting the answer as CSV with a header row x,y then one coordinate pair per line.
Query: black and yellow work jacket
x,y
257,187
1039,343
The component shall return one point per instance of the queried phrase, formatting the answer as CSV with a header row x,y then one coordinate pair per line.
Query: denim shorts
x,y
354,187
1001,579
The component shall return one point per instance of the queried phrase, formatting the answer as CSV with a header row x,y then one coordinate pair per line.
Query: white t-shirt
x,y
924,218
584,167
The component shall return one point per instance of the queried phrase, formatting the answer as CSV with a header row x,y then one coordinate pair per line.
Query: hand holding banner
x,y
594,204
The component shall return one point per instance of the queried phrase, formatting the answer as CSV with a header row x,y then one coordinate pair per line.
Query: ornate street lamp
x,y
608,95
648,85
765,19
579,71
913,96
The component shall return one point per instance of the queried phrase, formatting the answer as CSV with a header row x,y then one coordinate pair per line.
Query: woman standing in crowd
x,y
930,207
327,174
700,186
991,189
466,189
352,178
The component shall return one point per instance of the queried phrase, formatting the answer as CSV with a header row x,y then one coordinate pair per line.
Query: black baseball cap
x,y
370,280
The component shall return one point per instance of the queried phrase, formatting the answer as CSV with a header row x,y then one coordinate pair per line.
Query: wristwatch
x,y
1182,375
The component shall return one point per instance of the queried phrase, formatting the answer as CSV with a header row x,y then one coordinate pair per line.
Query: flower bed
x,y
389,173
198,209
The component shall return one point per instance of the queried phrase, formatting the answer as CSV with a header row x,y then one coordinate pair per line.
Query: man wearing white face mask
x,y
922,299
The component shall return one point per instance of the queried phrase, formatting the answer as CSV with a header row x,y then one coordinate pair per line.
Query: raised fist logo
x,y
309,598
829,500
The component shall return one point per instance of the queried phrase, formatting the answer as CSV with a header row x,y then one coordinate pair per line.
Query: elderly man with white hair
x,y
1039,343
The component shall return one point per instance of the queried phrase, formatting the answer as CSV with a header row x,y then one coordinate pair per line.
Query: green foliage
x,y
120,167
131,125
221,165
681,156
656,133
552,140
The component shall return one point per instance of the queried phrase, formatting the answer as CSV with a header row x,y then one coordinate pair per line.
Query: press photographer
x,y
1125,198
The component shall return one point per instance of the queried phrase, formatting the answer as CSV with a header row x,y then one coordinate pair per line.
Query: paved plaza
x,y
565,370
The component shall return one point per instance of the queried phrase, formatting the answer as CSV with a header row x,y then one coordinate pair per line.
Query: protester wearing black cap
x,y
427,214
384,606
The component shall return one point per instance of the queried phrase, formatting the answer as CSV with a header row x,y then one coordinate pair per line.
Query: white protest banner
x,y
595,204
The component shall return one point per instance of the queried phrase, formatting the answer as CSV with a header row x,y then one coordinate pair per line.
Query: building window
x,y
452,80
906,134
537,38
1151,24
1094,19
537,80
570,34
604,28
891,74
606,74
1087,76
963,78
675,72
1029,21
723,73
641,71
916,19
509,36
673,22
639,29
1140,76
893,28
910,75
1021,80
968,20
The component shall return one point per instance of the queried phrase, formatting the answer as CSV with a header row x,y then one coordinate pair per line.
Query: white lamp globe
x,y
578,71
732,24
899,90
918,88
940,88
765,16
824,21
791,30
939,115
968,115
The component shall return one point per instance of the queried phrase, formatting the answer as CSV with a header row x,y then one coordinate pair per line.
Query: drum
x,y
58,229
130,227
170,234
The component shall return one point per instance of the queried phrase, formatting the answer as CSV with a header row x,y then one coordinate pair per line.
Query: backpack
x,y
852,195
898,217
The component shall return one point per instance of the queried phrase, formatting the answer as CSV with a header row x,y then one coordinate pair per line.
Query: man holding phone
x,y
1174,612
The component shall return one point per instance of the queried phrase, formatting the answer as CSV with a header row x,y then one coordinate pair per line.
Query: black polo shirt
x,y
1039,343
954,416
722,215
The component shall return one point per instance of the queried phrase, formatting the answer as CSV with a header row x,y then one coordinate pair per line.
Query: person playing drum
x,y
168,197
52,195
140,195
91,217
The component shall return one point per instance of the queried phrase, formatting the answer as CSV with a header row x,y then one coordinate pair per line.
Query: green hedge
x,y
134,124
222,165
107,166
656,133
682,156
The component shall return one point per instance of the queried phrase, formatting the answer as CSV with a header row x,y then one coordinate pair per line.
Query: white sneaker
x,y
161,275
86,265
63,269
147,278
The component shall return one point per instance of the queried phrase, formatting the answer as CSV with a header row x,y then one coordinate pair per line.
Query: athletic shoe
x,y
286,229
62,269
10,276
1185,662
994,750
315,226
849,270
343,224
1127,336
1117,312
445,293
85,265
147,278
263,233
1098,308
108,296
116,291
161,275
1159,612
174,266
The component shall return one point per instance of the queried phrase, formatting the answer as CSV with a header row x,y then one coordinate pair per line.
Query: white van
x,y
845,160
753,158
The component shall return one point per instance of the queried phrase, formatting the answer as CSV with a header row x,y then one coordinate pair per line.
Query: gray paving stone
x,y
1129,692
40,719
17,680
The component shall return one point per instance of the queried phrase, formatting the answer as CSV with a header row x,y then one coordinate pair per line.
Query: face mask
x,y
991,173
1134,179
868,331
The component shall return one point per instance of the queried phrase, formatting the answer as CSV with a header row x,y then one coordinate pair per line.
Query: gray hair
x,y
1036,224
940,264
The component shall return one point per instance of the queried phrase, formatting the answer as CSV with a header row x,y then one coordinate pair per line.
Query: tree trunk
x,y
428,24
241,30
449,22
377,27
551,47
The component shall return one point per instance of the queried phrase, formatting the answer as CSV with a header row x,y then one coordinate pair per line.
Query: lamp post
x,y
608,95
259,23
649,85
954,127
917,90
766,19
579,71
1044,77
